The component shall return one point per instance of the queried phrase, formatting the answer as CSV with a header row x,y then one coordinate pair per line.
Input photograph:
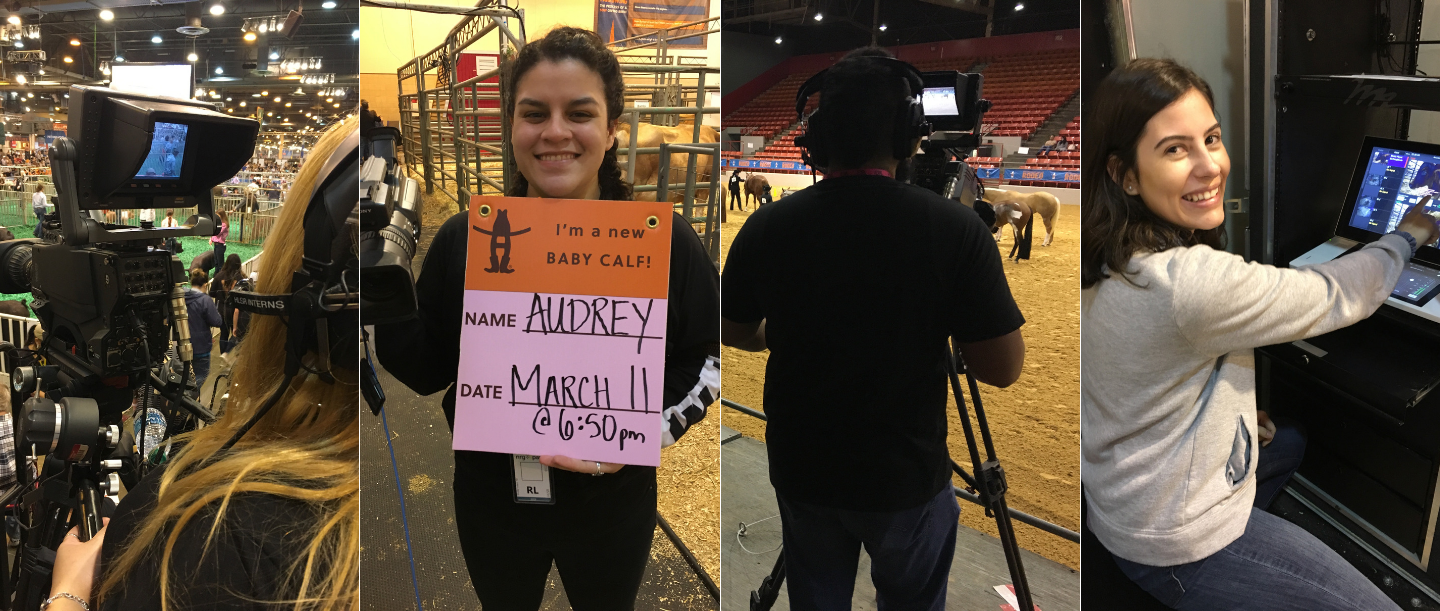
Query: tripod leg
x,y
763,598
990,477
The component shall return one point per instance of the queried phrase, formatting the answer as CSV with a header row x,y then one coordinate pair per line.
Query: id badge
x,y
532,480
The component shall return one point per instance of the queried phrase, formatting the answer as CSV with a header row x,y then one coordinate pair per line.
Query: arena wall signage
x,y
765,164
1046,175
562,348
621,19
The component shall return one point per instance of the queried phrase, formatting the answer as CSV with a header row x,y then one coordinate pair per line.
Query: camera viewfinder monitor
x,y
1391,177
136,151
167,152
949,99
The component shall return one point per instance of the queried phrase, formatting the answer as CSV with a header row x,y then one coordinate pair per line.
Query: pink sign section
x,y
572,375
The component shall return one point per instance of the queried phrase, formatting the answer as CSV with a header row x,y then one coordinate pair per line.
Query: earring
x,y
1130,189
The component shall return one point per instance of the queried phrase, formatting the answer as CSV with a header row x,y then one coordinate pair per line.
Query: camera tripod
x,y
988,481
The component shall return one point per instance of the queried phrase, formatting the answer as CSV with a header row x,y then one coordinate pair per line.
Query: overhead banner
x,y
562,346
621,19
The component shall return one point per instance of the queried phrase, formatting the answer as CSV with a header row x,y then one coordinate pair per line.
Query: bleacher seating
x,y
1024,89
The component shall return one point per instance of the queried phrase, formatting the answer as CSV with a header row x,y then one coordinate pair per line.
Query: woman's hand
x,y
1267,427
77,564
580,466
1419,224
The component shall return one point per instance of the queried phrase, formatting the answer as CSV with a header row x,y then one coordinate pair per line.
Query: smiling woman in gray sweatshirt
x,y
1169,322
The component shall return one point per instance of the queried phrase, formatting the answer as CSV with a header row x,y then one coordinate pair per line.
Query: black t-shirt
x,y
860,280
247,561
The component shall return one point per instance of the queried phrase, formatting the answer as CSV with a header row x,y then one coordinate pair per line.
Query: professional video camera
x,y
109,298
954,109
389,225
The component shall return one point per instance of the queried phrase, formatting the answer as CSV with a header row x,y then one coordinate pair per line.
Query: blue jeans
x,y
201,367
1274,566
910,553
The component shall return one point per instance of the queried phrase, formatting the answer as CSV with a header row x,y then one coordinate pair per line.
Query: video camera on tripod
x,y
110,299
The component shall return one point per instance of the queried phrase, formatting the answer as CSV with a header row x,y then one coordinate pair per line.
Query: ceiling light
x,y
69,60
13,18
819,17
262,28
219,70
242,103
328,100
355,34
227,98
337,104
269,114
264,93
1019,6
107,15
883,27
20,78
119,58
274,55
327,4
217,9
30,95
249,37
156,39
277,98
19,45
778,40
74,42
229,110
192,57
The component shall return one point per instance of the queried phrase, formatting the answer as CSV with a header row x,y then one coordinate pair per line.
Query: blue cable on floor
x,y
395,467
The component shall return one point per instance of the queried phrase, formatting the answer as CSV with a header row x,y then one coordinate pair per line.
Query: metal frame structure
x,y
444,141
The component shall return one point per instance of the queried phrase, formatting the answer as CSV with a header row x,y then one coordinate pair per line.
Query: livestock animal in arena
x,y
15,308
1041,203
204,260
1019,216
756,186
647,165
5,234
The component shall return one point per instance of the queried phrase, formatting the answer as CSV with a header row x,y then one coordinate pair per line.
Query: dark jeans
x,y
1274,566
202,369
219,258
910,553
597,534
735,199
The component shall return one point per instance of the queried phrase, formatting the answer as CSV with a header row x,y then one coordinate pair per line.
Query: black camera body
x,y
109,297
955,109
389,226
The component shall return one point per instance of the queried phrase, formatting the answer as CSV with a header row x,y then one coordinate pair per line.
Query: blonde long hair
x,y
305,449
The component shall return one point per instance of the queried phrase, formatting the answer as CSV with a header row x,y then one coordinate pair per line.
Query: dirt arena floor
x,y
1035,422
689,475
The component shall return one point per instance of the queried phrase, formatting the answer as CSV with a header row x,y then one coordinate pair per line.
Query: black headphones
x,y
910,123
322,309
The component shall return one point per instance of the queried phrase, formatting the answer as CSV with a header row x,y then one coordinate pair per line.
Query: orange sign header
x,y
574,247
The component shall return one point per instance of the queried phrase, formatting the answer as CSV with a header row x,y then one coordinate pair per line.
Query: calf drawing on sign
x,y
500,243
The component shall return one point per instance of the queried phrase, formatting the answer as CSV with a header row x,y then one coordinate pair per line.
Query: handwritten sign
x,y
562,349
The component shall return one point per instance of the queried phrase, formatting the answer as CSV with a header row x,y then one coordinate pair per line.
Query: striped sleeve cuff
x,y
691,409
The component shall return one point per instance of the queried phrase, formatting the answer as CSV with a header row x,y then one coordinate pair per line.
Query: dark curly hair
x,y
1115,225
587,48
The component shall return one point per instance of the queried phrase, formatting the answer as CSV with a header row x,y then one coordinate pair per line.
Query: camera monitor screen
x,y
939,101
167,152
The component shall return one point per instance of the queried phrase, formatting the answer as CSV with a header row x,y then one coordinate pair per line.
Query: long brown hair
x,y
587,48
1115,225
303,450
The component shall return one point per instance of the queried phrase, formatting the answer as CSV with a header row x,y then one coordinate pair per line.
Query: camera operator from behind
x,y
855,388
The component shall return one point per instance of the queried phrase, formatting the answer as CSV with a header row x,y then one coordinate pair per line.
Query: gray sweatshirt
x,y
1167,409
